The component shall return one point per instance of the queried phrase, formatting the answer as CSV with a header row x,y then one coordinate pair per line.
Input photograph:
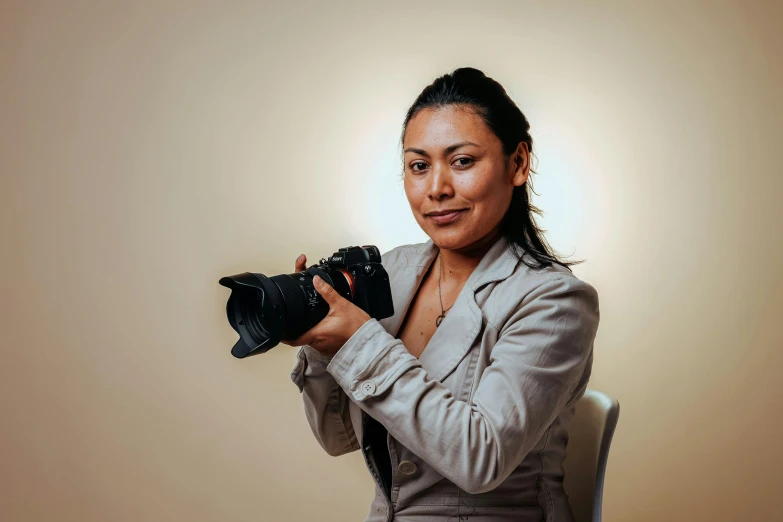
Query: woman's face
x,y
458,181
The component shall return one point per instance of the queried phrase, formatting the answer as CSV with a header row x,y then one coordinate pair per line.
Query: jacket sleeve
x,y
325,403
534,367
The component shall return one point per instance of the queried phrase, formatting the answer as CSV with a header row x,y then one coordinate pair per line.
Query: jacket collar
x,y
464,321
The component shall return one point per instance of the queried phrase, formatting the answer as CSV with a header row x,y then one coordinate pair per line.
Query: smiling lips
x,y
441,217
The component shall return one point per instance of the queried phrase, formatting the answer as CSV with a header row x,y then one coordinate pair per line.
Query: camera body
x,y
265,310
370,288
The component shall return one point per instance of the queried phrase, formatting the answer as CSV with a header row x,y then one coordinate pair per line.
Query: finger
x,y
301,263
326,291
306,338
301,341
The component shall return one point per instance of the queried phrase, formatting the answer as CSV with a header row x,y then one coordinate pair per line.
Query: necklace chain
x,y
442,315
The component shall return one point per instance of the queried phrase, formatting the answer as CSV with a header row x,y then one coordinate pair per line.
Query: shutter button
x,y
368,387
407,467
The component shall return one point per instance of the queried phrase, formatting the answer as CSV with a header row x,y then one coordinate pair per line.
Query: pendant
x,y
439,320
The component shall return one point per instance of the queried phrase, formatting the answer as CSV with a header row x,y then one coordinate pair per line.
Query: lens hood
x,y
255,311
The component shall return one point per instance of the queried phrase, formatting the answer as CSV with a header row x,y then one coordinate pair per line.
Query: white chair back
x,y
590,436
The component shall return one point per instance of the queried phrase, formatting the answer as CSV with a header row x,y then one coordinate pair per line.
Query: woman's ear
x,y
521,164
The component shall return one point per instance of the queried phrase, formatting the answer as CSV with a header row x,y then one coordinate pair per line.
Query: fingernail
x,y
301,256
317,281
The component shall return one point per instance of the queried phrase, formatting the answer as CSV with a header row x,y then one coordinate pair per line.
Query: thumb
x,y
327,291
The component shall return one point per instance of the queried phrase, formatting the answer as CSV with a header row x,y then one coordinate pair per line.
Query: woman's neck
x,y
458,264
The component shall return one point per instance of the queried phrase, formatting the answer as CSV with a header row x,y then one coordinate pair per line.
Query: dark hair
x,y
471,87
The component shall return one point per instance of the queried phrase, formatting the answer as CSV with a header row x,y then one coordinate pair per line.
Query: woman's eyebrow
x,y
448,150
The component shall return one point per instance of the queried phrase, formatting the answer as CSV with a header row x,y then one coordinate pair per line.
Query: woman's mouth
x,y
441,218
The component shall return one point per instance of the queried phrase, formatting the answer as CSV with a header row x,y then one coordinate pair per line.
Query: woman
x,y
461,401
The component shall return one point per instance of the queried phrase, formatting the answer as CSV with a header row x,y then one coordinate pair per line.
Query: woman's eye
x,y
418,166
463,162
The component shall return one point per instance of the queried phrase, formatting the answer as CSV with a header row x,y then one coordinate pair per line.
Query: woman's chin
x,y
449,239
458,238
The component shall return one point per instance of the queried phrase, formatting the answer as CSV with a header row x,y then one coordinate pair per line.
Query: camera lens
x,y
264,310
250,307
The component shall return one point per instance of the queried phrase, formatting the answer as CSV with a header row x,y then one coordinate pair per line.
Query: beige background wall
x,y
149,148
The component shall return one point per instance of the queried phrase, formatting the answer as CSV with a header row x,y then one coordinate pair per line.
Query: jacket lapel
x,y
405,276
456,334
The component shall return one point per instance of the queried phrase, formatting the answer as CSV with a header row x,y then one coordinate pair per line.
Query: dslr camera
x,y
265,310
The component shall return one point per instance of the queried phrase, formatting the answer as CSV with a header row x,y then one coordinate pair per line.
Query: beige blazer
x,y
478,424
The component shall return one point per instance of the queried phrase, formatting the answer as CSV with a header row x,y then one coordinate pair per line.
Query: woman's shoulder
x,y
529,289
526,277
555,272
408,255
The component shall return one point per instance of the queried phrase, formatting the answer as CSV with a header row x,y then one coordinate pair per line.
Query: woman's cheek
x,y
474,188
488,186
412,188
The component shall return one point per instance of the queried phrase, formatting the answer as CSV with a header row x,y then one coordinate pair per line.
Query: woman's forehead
x,y
436,128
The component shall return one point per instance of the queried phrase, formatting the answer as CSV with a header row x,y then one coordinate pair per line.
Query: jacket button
x,y
368,387
407,467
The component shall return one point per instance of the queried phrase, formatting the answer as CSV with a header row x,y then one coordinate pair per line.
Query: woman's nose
x,y
440,183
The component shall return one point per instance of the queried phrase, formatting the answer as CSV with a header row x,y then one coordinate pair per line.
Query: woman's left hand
x,y
342,321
